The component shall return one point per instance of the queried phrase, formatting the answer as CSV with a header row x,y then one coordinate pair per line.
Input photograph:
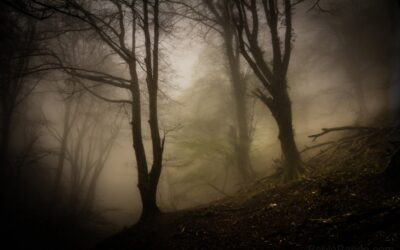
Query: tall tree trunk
x,y
274,91
149,206
282,112
239,94
149,201
149,195
148,182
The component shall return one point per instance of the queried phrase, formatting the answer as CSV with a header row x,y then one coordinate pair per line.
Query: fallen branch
x,y
359,142
354,128
307,148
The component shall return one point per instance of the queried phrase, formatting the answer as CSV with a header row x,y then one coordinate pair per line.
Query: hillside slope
x,y
351,202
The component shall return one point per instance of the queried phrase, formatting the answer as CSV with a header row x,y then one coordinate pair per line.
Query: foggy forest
x,y
200,124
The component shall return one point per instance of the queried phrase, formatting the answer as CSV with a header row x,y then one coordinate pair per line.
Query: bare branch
x,y
345,128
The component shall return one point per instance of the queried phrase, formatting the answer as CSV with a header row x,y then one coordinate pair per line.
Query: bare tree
x,y
217,16
90,129
274,88
116,24
88,150
18,45
80,52
69,117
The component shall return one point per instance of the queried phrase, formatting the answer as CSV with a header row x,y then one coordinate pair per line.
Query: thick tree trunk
x,y
149,190
293,165
149,201
274,91
146,189
149,206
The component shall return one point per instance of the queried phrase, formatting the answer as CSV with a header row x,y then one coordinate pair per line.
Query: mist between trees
x,y
113,111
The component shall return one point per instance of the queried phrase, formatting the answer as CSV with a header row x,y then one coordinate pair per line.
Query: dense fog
x,y
68,129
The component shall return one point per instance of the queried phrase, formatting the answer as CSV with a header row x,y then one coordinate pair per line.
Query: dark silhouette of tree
x,y
273,76
116,24
18,46
84,149
87,152
218,15
68,120
81,51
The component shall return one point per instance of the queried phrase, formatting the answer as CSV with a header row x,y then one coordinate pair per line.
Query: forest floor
x,y
353,206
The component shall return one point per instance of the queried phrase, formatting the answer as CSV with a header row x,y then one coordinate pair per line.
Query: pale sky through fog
x,y
183,59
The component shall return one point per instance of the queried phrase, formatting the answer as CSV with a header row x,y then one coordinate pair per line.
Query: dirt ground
x,y
344,209
346,200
